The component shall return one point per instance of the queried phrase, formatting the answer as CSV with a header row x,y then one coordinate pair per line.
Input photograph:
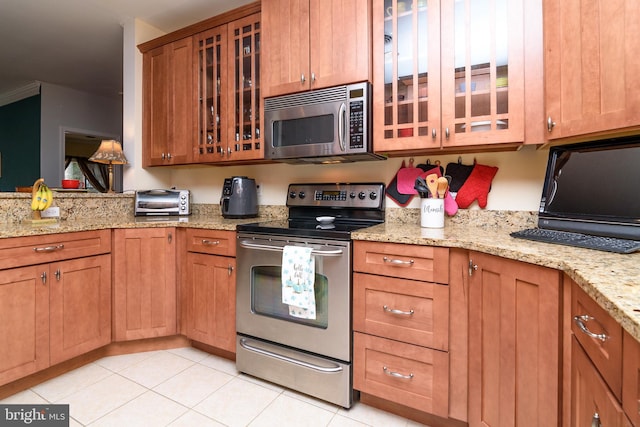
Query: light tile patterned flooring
x,y
188,387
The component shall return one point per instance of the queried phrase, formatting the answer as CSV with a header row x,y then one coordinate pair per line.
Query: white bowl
x,y
325,219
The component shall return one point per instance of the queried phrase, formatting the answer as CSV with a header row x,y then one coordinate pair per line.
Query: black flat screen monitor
x,y
592,188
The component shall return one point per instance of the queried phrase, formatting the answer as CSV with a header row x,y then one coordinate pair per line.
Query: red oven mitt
x,y
407,178
477,186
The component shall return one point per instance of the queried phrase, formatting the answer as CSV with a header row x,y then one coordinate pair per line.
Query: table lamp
x,y
110,153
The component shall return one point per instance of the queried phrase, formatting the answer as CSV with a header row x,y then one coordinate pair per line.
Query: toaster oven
x,y
162,202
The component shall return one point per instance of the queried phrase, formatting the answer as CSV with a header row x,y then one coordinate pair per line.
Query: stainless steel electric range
x,y
308,349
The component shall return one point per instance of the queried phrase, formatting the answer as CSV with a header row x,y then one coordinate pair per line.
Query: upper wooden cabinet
x,y
456,75
228,86
168,127
592,67
312,44
201,92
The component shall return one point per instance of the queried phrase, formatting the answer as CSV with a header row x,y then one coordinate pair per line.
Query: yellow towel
x,y
298,279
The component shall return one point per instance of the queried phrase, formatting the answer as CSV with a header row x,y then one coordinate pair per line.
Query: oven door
x,y
260,312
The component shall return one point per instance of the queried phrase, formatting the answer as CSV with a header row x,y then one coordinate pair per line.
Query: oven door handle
x,y
331,370
319,252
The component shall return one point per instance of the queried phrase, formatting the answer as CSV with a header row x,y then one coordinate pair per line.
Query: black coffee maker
x,y
239,198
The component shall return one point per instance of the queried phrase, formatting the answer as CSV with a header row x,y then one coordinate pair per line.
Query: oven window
x,y
308,130
266,296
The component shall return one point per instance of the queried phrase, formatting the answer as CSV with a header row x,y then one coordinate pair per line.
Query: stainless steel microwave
x,y
329,125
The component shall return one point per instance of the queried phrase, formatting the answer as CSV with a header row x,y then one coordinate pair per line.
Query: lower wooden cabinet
x,y
211,288
631,378
592,403
403,373
79,306
514,343
24,323
145,301
211,306
54,311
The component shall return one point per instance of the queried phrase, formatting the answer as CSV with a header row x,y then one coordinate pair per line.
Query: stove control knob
x,y
301,195
361,195
352,195
373,195
292,194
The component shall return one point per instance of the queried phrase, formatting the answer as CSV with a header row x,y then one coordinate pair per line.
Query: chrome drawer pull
x,y
396,374
394,311
210,242
397,262
580,322
49,248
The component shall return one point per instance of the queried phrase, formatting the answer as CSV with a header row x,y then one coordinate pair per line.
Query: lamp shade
x,y
109,152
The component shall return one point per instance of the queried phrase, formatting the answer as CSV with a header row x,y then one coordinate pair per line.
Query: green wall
x,y
20,143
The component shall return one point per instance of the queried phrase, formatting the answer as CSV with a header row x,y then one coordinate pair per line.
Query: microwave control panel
x,y
358,110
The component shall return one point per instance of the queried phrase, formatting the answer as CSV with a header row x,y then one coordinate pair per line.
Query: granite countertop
x,y
612,280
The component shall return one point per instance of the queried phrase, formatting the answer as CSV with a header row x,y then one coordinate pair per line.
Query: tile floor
x,y
188,387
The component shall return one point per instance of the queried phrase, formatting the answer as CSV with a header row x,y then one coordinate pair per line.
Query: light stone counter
x,y
613,280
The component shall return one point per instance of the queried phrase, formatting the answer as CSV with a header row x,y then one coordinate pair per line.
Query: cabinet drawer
x,y
591,395
216,242
20,251
403,310
410,375
426,263
631,378
605,355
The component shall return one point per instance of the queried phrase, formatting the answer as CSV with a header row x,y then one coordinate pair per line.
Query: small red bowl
x,y
70,183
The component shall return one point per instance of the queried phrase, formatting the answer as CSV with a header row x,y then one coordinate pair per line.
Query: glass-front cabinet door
x,y
244,98
406,58
211,144
482,72
448,73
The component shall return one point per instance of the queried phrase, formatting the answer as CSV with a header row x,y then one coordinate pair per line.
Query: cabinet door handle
x,y
302,78
210,242
433,133
595,421
230,270
168,156
550,124
472,267
396,374
313,77
581,321
397,262
394,311
163,156
446,133
49,248
43,277
170,237
57,274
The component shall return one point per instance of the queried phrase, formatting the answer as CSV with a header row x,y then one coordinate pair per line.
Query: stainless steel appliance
x,y
239,198
310,355
162,202
322,126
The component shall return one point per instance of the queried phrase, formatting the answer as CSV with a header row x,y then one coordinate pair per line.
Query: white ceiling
x,y
78,43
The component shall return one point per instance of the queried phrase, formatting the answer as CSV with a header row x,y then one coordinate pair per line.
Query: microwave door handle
x,y
342,126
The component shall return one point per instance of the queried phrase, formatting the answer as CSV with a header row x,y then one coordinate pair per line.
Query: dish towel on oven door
x,y
298,277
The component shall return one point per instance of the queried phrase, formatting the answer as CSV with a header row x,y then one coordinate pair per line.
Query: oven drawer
x,y
425,263
403,310
215,242
410,375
